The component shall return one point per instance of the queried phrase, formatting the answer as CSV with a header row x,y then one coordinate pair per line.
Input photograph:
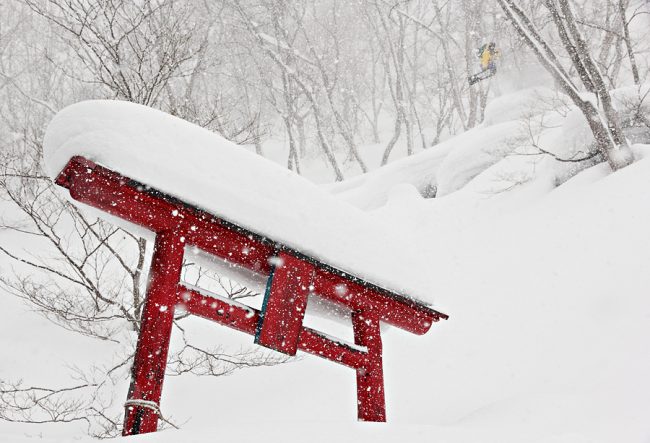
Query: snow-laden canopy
x,y
204,169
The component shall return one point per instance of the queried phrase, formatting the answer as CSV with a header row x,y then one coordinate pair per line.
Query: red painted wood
x,y
285,304
220,311
177,224
150,359
315,343
245,319
371,404
104,189
403,313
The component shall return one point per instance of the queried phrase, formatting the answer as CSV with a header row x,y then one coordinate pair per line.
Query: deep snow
x,y
547,289
204,169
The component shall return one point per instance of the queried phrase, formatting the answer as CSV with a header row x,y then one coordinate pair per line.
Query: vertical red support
x,y
370,377
285,304
142,405
279,325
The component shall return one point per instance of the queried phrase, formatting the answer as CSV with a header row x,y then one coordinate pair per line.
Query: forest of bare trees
x,y
325,76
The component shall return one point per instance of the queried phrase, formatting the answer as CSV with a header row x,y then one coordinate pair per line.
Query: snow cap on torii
x,y
292,277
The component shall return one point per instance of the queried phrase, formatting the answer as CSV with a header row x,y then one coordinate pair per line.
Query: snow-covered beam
x,y
292,277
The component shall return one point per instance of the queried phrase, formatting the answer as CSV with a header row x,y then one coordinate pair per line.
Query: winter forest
x,y
486,157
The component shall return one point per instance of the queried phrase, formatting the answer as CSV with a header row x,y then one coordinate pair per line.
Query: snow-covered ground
x,y
546,287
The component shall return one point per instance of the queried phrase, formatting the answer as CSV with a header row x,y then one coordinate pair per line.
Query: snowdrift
x,y
205,170
502,153
547,288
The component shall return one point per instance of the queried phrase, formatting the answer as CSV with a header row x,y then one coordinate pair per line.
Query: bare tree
x,y
286,57
393,64
132,49
625,24
601,116
88,276
323,74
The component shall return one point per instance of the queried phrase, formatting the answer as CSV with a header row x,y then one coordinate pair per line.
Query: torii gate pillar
x,y
279,325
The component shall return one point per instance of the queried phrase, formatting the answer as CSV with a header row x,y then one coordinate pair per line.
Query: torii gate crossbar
x,y
279,325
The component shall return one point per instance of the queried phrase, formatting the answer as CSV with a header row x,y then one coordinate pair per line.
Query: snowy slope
x,y
547,340
500,154
547,289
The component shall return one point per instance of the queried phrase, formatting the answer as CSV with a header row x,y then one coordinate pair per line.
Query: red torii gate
x,y
279,325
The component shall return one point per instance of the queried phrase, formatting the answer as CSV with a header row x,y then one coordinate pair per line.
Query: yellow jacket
x,y
488,56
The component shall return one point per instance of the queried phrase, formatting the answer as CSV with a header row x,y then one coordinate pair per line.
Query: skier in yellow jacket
x,y
488,54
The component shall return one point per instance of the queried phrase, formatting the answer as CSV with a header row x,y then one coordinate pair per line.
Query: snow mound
x,y
532,135
548,341
371,190
475,151
520,104
212,173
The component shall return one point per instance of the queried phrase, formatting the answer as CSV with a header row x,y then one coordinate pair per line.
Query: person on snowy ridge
x,y
488,54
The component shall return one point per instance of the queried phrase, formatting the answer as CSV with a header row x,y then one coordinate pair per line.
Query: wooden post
x,y
279,325
143,401
370,377
285,303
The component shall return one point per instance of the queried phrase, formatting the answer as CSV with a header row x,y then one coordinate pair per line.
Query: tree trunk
x,y
622,6
604,125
